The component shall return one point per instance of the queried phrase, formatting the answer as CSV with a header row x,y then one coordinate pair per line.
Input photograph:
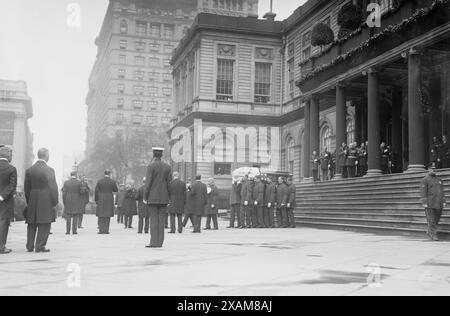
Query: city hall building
x,y
16,108
387,83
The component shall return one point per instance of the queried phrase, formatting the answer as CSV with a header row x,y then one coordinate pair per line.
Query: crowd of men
x,y
258,202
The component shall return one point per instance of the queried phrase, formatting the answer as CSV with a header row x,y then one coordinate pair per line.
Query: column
x,y
306,142
415,114
374,124
341,122
315,125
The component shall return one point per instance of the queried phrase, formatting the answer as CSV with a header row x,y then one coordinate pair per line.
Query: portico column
x,y
415,114
306,142
341,121
374,124
315,125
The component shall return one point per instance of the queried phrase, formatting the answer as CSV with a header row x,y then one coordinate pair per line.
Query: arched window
x,y
124,27
290,155
350,131
325,138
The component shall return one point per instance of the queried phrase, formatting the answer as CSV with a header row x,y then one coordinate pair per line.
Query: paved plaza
x,y
227,262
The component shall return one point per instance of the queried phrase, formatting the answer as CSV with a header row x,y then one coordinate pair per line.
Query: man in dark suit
x,y
235,203
199,192
72,204
177,202
157,196
8,185
104,197
269,204
258,203
84,201
282,195
143,210
41,193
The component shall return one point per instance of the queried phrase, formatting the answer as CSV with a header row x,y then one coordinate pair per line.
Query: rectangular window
x,y
141,28
121,74
291,71
225,79
154,62
306,45
166,62
167,77
154,47
139,61
153,76
222,169
120,103
168,49
140,46
153,91
263,80
167,92
138,104
155,30
122,59
169,31
139,90
137,120
123,44
152,105
139,75
151,120
121,88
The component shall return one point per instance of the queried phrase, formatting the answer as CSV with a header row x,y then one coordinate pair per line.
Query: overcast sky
x,y
38,46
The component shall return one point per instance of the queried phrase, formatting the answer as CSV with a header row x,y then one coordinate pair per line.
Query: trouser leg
x,y
43,231
266,217
197,223
255,216
271,217
431,220
154,226
291,216
163,217
215,221
146,225
260,215
242,216
208,222
172,223
279,218
31,236
248,215
4,229
180,223
75,224
284,218
68,223
232,216
140,224
80,221
130,221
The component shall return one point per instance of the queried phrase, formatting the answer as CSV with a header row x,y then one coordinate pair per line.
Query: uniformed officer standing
x,y
258,202
8,184
291,202
143,210
244,192
72,203
249,202
270,201
282,199
104,197
157,196
177,203
235,203
433,200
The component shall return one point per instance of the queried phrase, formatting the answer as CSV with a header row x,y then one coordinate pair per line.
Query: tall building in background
x,y
130,86
16,109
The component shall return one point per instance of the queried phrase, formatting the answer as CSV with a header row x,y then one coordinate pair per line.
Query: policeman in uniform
x,y
282,200
157,196
244,203
258,201
235,203
291,202
270,201
433,200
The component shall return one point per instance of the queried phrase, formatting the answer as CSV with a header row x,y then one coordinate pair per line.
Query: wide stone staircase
x,y
383,204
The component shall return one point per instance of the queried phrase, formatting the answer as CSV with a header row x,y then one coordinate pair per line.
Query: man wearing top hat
x,y
8,184
104,197
177,203
157,196
72,204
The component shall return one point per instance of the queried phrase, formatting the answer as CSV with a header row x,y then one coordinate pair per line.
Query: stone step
x,y
392,216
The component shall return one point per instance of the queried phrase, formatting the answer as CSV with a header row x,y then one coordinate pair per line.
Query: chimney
x,y
270,16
